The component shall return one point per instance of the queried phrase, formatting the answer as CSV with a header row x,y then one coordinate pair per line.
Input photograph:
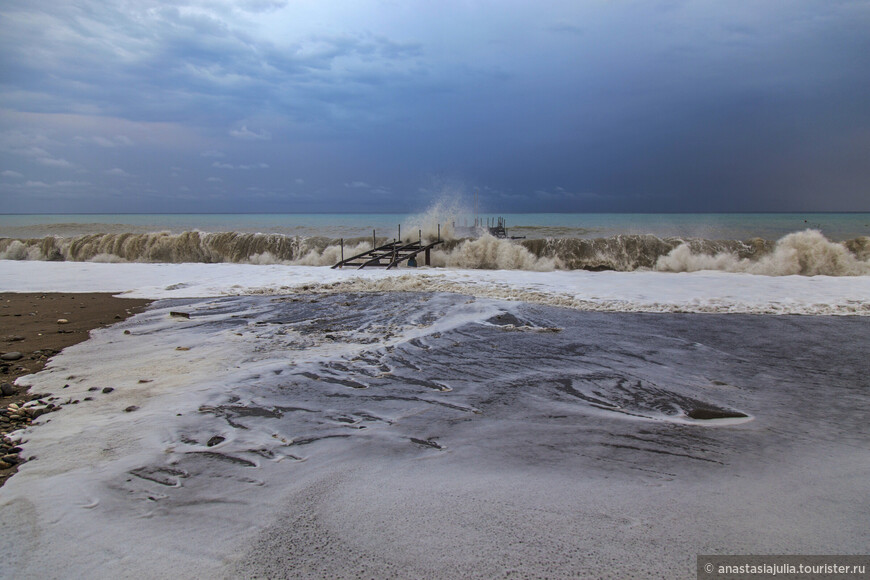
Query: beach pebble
x,y
11,458
62,321
10,356
215,440
7,389
108,389
131,408
4,465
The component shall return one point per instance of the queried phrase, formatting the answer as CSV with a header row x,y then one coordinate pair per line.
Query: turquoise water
x,y
740,226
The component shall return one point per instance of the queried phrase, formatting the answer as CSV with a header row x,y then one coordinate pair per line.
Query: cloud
x,y
665,98
32,145
214,180
57,184
56,162
248,135
10,173
219,165
376,189
258,6
117,172
107,142
565,27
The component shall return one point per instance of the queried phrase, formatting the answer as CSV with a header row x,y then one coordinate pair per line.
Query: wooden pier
x,y
390,255
498,229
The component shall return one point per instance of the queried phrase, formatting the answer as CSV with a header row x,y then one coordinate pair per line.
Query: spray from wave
x,y
806,253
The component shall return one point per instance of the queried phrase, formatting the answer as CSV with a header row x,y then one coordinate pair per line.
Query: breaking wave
x,y
806,253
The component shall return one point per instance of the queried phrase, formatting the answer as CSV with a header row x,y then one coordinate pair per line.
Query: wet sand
x,y
30,325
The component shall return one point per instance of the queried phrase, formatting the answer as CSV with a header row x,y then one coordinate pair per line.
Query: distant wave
x,y
806,253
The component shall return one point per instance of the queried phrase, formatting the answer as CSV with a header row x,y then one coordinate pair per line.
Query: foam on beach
x,y
431,434
701,292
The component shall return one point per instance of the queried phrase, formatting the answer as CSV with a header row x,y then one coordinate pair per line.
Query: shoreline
x,y
30,326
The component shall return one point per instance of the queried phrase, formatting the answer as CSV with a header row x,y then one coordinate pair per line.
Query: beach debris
x,y
177,314
427,443
182,348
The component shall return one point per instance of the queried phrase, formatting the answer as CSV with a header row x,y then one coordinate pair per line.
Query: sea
x,y
593,396
774,244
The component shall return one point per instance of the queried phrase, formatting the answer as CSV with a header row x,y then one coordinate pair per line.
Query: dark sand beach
x,y
31,325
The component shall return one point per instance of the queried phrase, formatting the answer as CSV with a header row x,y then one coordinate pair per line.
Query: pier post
x,y
439,232
342,249
400,232
374,242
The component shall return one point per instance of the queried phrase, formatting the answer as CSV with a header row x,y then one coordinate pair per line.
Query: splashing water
x,y
806,253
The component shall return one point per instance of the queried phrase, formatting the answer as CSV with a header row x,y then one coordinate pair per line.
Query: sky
x,y
385,106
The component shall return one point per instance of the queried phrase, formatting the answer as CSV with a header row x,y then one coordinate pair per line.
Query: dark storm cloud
x,y
566,106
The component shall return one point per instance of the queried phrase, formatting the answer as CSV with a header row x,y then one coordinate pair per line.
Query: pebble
x,y
10,356
131,408
11,458
7,389
108,389
62,321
